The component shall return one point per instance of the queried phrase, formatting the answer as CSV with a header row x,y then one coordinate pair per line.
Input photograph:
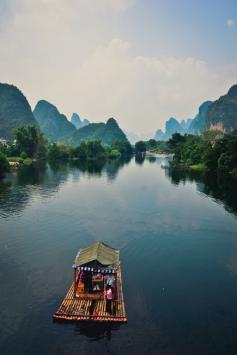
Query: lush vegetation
x,y
4,165
159,147
30,144
213,151
86,150
153,146
91,150
123,147
140,148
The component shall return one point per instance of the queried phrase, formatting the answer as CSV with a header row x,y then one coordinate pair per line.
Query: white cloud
x,y
66,52
231,22
141,91
119,5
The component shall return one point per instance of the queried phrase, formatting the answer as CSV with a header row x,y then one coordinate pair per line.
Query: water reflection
x,y
112,168
96,331
31,175
139,159
178,254
92,167
152,159
222,188
100,167
12,199
46,179
37,179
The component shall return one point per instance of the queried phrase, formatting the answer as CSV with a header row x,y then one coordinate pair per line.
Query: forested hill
x,y
15,111
107,133
53,124
222,114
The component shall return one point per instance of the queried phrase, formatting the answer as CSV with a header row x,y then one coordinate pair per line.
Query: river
x,y
177,233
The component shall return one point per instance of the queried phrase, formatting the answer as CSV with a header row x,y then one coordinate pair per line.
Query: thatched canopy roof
x,y
98,253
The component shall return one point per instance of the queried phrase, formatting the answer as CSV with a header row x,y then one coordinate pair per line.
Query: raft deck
x,y
84,309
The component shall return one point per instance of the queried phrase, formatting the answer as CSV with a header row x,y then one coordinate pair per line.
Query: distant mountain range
x,y
15,111
58,129
220,114
171,126
134,137
196,125
78,123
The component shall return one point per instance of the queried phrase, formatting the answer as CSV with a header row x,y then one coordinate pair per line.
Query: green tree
x,y
95,150
58,152
213,149
80,152
176,140
10,149
4,165
140,147
224,163
114,154
23,155
30,140
124,147
152,144
227,152
53,152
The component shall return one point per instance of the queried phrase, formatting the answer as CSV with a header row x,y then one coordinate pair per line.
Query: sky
x,y
139,61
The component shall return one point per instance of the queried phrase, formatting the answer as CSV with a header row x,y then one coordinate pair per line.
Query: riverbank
x,y
22,152
188,167
16,161
209,152
201,168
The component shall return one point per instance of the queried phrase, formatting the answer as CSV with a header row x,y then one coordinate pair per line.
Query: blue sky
x,y
141,61
183,28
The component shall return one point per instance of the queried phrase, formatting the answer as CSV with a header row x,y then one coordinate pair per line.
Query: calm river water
x,y
178,239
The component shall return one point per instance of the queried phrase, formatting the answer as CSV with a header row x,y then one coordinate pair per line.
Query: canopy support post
x,y
75,282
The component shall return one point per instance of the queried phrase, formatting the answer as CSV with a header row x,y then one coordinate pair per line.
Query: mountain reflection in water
x,y
178,245
222,188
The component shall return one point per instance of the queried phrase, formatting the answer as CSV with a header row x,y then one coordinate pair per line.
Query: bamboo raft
x,y
84,307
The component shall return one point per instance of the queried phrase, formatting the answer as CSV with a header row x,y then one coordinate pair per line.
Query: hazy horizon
x,y
138,61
